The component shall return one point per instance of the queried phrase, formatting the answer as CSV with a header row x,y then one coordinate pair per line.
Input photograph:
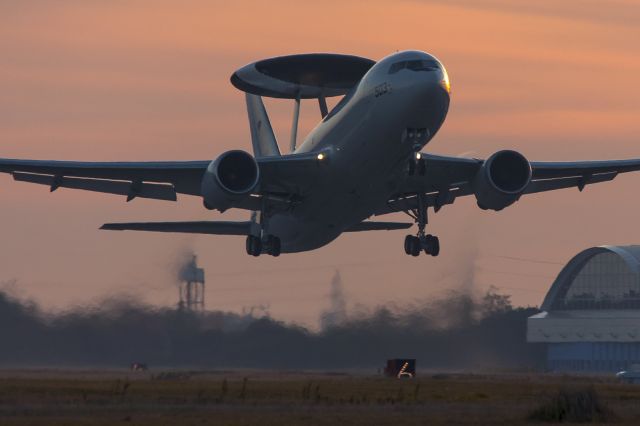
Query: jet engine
x,y
501,180
230,177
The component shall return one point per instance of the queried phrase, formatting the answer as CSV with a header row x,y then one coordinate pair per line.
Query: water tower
x,y
191,287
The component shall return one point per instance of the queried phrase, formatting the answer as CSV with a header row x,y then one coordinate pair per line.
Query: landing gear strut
x,y
413,245
260,241
417,166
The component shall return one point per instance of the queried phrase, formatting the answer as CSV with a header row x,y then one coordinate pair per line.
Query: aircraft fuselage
x,y
372,134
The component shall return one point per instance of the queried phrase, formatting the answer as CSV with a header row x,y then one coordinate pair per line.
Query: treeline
x,y
457,331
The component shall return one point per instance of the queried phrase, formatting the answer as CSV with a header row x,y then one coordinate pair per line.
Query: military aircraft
x,y
363,159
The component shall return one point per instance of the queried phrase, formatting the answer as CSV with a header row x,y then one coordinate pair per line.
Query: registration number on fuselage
x,y
382,89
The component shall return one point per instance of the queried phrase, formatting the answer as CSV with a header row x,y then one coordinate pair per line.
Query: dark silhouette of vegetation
x,y
573,406
455,331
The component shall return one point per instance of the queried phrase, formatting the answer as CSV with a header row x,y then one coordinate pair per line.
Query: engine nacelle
x,y
230,177
501,180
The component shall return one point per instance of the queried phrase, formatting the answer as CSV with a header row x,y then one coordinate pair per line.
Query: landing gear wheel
x,y
431,245
412,245
253,245
408,244
415,249
274,245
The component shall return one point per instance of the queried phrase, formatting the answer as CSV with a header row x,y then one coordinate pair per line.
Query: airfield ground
x,y
171,397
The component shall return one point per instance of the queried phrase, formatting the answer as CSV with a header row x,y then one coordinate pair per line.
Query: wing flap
x,y
550,169
568,182
201,227
437,200
131,190
185,176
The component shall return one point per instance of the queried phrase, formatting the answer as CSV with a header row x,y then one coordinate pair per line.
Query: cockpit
x,y
423,64
415,65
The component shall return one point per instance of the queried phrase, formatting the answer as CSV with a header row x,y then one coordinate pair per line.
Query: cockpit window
x,y
415,65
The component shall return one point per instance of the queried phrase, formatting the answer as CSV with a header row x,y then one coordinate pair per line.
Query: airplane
x,y
363,159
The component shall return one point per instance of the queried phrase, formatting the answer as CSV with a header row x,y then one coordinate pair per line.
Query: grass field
x,y
50,397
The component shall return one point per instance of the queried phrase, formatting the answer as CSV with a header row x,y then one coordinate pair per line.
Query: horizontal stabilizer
x,y
203,227
378,226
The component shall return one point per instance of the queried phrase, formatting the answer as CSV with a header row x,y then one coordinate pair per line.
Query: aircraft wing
x,y
232,228
201,227
282,175
447,178
159,180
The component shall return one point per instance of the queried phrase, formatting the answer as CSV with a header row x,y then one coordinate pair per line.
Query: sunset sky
x,y
149,80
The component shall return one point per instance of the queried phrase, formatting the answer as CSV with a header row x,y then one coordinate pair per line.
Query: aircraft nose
x,y
429,95
433,86
436,80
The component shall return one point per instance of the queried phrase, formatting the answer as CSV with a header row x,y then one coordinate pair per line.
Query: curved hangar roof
x,y
306,76
599,278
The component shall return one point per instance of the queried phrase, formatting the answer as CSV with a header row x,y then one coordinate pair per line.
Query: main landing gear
x,y
413,245
259,241
268,245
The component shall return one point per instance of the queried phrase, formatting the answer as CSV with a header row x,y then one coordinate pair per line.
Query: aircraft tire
x,y
274,246
415,246
407,244
432,245
253,245
247,244
436,247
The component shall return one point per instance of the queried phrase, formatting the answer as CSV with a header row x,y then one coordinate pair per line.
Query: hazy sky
x,y
149,80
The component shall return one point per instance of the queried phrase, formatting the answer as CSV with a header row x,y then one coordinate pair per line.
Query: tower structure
x,y
191,287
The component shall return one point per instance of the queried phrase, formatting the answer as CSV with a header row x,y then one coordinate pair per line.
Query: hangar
x,y
591,314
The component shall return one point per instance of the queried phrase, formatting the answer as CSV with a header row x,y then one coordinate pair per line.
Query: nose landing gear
x,y
413,245
417,166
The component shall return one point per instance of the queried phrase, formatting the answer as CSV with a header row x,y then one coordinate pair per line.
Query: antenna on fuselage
x,y
324,110
294,124
322,102
297,77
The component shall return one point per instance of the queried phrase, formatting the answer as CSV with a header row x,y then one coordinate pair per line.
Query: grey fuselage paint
x,y
369,150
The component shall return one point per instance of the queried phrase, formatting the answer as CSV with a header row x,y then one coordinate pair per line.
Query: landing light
x,y
418,156
321,156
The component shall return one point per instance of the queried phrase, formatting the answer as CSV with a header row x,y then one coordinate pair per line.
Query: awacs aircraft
x,y
363,159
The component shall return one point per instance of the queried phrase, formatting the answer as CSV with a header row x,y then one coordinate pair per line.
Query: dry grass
x,y
271,398
581,405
